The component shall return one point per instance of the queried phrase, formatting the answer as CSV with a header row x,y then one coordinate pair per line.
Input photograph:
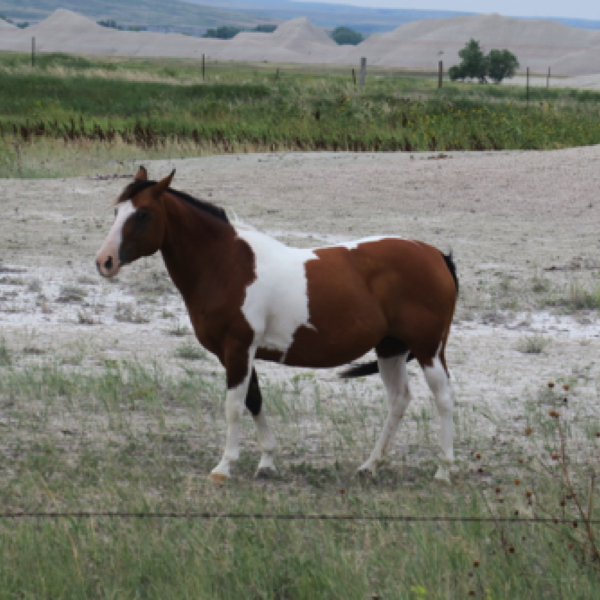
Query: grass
x,y
533,344
129,437
127,107
190,351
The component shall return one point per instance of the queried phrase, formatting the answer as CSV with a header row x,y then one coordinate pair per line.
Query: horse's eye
x,y
141,216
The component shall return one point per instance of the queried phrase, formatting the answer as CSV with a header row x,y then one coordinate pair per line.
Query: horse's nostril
x,y
108,263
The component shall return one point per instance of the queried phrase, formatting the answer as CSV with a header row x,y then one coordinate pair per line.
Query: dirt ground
x,y
514,220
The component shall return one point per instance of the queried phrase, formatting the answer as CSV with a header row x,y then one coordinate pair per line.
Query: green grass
x,y
163,108
129,437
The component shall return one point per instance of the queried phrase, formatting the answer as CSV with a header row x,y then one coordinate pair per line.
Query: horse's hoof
x,y
365,474
218,479
265,473
443,476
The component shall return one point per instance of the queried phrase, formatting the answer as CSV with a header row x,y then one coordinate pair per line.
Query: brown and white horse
x,y
249,296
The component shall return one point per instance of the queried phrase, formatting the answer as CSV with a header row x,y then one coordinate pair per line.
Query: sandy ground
x,y
511,219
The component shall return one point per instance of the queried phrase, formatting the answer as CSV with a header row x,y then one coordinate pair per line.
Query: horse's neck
x,y
195,243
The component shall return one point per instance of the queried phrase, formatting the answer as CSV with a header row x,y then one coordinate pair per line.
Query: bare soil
x,y
523,226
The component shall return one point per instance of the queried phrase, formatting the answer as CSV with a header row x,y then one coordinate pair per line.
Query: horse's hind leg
x,y
438,381
395,378
265,438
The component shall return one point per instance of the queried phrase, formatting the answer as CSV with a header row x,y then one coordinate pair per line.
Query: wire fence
x,y
294,517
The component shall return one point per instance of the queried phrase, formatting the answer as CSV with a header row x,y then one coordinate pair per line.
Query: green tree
x,y
497,65
346,36
224,32
265,28
474,63
501,64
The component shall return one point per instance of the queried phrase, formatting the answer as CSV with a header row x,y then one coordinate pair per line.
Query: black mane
x,y
136,187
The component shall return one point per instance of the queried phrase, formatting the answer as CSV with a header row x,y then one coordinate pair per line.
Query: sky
x,y
575,9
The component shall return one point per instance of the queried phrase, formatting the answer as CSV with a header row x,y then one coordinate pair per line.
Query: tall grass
x,y
129,437
241,111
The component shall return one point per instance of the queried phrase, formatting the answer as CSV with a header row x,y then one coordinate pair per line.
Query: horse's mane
x,y
136,187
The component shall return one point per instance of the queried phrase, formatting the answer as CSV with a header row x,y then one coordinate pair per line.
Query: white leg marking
x,y
439,383
395,378
267,444
234,408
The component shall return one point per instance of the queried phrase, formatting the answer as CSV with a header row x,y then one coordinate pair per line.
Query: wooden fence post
x,y
33,52
440,73
353,76
528,87
363,71
203,67
548,79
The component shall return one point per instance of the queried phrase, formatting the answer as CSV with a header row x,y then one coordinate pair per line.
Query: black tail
x,y
361,370
365,369
451,267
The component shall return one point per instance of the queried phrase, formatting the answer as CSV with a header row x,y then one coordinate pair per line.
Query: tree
x,y
474,63
224,32
346,36
501,64
265,28
497,65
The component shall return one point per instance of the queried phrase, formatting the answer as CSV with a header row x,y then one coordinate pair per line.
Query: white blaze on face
x,y
276,302
107,258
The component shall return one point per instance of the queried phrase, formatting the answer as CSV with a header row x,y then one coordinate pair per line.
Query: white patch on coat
x,y
113,240
276,302
353,244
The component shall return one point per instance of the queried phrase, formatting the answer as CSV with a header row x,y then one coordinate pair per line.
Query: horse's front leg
x,y
238,367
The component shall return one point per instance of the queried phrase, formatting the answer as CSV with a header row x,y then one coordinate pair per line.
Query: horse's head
x,y
139,227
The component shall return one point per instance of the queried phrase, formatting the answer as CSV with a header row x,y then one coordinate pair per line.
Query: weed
x,y
179,330
5,354
190,352
71,294
532,344
127,313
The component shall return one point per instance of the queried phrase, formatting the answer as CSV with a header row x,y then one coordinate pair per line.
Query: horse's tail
x,y
360,370
449,260
365,369
370,368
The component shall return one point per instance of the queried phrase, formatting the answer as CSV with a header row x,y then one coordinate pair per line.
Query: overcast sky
x,y
576,9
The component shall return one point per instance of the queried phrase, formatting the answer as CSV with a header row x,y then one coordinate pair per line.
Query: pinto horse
x,y
249,296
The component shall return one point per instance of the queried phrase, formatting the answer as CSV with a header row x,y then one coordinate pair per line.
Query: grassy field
x,y
83,433
133,108
129,437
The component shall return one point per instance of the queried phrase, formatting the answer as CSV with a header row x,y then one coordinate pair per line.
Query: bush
x,y
224,32
266,28
346,36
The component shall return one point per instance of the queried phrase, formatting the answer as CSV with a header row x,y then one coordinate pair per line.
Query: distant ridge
x,y
142,13
365,19
540,44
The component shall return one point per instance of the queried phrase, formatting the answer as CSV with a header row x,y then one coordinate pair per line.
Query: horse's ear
x,y
163,184
141,175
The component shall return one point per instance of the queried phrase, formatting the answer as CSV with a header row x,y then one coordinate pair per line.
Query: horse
x,y
251,297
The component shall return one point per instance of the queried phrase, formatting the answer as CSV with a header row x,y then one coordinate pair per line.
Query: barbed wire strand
x,y
290,517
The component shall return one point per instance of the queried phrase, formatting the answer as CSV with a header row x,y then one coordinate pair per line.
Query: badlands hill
x,y
538,44
6,26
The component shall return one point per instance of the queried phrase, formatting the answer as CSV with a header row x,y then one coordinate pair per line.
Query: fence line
x,y
293,517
